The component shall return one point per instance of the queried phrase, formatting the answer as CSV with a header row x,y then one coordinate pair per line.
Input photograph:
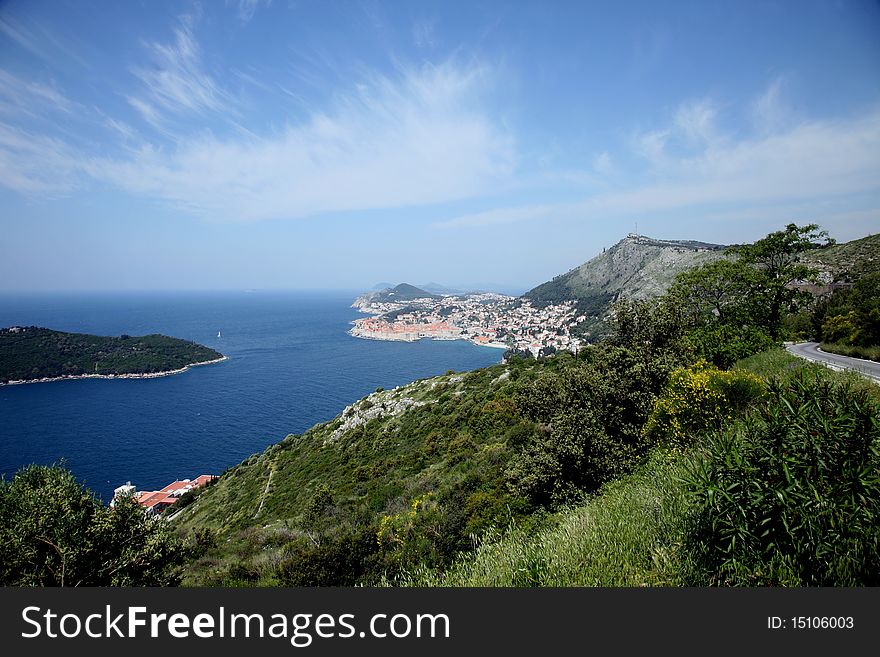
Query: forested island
x,y
32,353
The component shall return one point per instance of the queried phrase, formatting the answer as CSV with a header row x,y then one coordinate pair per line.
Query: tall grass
x,y
854,351
628,535
780,365
637,531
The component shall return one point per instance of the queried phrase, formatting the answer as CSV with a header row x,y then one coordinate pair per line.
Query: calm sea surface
x,y
291,365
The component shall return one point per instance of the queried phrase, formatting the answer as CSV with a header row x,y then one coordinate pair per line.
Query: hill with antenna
x,y
638,267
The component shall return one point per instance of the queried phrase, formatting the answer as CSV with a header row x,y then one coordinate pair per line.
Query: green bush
x,y
336,560
791,497
54,532
590,425
723,345
865,353
699,399
841,328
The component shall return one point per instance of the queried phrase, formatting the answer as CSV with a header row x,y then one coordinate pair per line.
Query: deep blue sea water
x,y
292,365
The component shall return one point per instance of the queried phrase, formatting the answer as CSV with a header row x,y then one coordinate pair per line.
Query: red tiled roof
x,y
150,498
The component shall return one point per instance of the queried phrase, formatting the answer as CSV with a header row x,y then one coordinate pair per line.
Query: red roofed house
x,y
156,501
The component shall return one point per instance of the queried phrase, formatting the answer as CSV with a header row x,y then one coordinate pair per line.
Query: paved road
x,y
811,351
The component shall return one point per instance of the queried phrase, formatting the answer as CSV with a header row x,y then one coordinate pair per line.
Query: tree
x,y
775,261
55,532
749,293
714,291
850,316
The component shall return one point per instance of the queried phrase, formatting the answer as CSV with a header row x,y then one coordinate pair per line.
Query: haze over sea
x,y
292,364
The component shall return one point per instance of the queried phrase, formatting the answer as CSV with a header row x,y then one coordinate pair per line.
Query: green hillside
x,y
409,476
848,261
599,468
641,529
28,353
397,294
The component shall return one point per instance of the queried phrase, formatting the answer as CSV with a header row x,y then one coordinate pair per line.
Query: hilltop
x,y
32,354
397,294
638,267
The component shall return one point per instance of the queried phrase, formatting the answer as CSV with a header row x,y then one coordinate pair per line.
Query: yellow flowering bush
x,y
396,527
698,399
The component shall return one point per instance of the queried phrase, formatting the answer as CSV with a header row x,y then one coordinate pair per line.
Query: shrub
x,y
339,559
792,496
591,421
700,399
55,532
723,345
841,328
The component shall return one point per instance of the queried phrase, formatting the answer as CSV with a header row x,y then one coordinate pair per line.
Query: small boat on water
x,y
218,334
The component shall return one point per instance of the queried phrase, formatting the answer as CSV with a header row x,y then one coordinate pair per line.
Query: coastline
x,y
492,345
145,375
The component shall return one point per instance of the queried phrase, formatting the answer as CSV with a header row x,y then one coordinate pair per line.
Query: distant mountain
x,y
637,266
437,288
406,292
381,286
397,294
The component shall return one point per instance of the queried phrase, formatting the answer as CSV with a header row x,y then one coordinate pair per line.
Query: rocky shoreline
x,y
147,375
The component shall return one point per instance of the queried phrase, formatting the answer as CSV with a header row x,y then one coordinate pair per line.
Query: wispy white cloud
x,y
603,164
695,121
40,42
421,137
176,83
33,98
769,110
36,164
247,8
809,161
425,34
22,36
122,129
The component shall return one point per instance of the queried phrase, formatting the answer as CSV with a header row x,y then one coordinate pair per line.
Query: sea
x,y
291,365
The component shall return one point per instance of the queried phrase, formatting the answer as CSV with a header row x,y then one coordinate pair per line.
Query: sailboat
x,y
218,334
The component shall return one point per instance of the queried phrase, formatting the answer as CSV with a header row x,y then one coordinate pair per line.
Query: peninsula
x,y
484,318
32,354
563,314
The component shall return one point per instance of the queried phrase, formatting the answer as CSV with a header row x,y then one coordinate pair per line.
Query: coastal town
x,y
486,319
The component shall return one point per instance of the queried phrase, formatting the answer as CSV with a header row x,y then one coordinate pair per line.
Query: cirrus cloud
x,y
421,138
802,162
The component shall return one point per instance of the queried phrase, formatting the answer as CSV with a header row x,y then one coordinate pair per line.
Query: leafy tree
x,y
716,291
852,316
590,424
775,261
724,344
54,532
731,308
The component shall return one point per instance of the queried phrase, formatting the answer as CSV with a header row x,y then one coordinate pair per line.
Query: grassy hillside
x,y
636,462
413,475
34,353
635,532
397,294
439,446
848,261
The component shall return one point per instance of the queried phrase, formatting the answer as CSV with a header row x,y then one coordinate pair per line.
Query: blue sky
x,y
288,144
